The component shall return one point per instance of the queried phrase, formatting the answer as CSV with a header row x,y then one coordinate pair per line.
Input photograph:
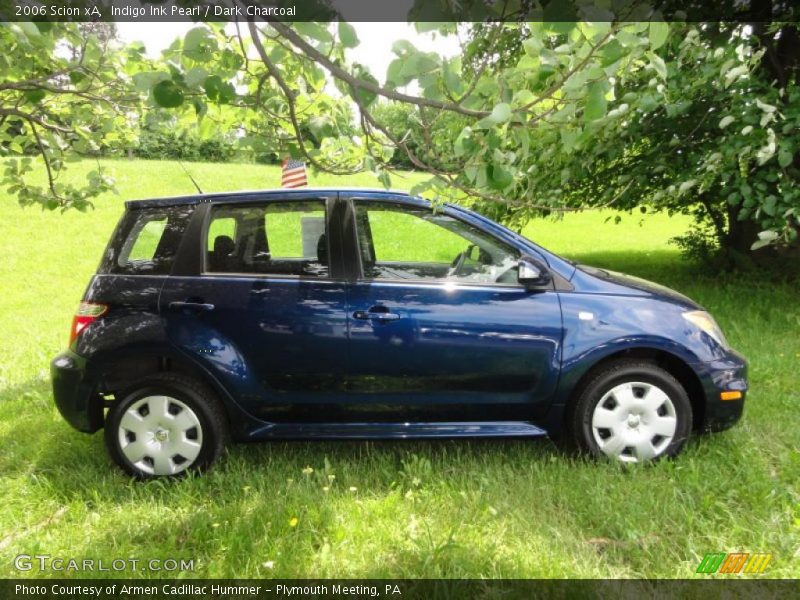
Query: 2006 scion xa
x,y
363,314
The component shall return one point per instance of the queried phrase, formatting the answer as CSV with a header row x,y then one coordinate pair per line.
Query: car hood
x,y
612,282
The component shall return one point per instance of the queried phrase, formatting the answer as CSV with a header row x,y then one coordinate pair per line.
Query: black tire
x,y
206,409
582,435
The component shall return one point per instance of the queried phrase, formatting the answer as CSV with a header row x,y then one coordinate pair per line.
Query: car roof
x,y
256,195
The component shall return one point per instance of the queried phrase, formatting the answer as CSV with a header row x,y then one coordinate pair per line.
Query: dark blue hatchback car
x,y
363,314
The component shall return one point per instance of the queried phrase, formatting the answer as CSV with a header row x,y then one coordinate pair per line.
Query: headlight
x,y
706,323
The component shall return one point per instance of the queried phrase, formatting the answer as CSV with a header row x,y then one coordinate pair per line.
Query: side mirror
x,y
532,273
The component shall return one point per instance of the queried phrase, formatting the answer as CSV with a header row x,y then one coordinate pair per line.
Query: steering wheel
x,y
457,264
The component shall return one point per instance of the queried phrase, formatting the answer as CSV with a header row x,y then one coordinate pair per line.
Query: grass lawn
x,y
393,509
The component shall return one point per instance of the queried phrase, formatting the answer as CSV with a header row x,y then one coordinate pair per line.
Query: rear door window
x,y
276,238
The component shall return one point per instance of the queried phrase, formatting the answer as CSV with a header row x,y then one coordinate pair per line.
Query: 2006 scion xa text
x,y
364,314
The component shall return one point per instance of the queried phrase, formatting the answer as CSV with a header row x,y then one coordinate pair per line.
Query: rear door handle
x,y
192,305
374,315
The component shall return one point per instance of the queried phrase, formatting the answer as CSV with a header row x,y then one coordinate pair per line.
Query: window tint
x,y
277,238
146,241
401,242
222,226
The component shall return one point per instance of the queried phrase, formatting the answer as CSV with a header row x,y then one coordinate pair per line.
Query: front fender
x,y
596,327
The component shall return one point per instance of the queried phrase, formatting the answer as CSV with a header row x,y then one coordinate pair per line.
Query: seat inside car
x,y
221,257
322,249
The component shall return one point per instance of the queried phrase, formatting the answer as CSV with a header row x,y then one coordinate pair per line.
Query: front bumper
x,y
73,394
727,374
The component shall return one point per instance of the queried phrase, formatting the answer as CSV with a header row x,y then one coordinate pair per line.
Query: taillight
x,y
87,313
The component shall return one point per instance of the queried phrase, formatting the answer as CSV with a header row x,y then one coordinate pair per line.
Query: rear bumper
x,y
728,374
73,394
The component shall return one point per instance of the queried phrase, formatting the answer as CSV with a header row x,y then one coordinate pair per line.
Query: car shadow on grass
x,y
444,508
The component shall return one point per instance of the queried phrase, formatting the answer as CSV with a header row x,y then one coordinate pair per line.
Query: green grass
x,y
399,509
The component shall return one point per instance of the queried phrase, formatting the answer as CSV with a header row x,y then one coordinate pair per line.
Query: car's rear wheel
x,y
632,412
165,426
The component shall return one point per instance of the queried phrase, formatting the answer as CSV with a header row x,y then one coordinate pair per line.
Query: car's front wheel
x,y
632,412
165,425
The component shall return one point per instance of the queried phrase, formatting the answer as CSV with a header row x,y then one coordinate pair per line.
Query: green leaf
x,y
200,108
403,47
500,114
420,63
659,31
558,11
770,205
427,26
596,104
568,139
533,45
501,177
167,95
611,52
347,35
219,91
365,97
230,61
725,121
394,74
199,44
463,142
315,31
321,126
594,30
35,96
760,244
658,64
30,29
627,39
452,77
523,98
145,81
785,158
195,76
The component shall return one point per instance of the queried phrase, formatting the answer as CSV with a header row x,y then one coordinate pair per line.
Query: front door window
x,y
408,243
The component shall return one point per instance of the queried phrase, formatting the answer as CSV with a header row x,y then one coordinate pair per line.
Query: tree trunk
x,y
740,235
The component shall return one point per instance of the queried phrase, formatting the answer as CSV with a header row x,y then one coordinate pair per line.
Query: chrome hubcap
x,y
634,422
160,435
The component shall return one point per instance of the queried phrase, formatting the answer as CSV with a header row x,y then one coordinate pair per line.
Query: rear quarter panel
x,y
132,316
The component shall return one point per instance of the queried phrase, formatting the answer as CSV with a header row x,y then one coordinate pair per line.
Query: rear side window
x,y
146,241
276,238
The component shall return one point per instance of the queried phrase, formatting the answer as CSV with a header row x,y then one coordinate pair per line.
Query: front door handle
x,y
375,315
192,305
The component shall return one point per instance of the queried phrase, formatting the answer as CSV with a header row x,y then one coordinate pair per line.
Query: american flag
x,y
294,173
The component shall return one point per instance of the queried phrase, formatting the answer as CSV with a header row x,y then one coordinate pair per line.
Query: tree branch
x,y
289,94
359,84
15,112
50,178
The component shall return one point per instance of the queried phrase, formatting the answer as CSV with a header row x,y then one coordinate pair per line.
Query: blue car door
x,y
439,328
266,314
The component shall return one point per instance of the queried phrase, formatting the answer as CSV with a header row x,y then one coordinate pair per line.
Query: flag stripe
x,y
293,173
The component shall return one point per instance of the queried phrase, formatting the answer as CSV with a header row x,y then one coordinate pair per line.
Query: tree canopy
x,y
530,118
61,98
